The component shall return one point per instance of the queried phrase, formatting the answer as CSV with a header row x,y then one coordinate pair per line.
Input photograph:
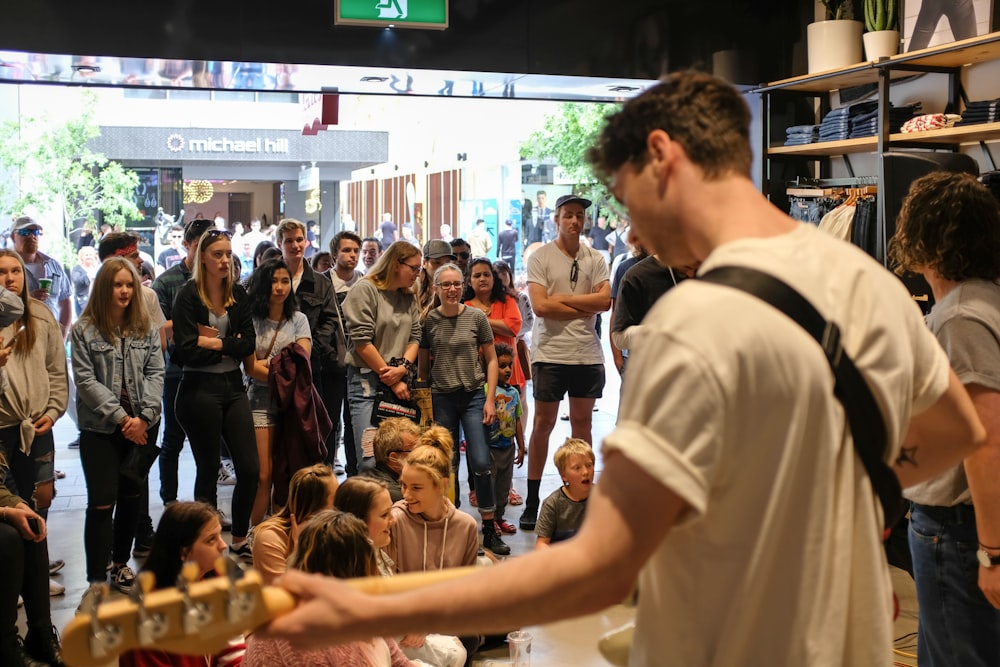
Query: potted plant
x,y
882,25
836,41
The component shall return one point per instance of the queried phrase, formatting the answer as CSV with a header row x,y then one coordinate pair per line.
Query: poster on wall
x,y
935,22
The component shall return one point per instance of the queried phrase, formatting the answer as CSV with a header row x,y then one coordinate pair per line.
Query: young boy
x,y
506,430
562,512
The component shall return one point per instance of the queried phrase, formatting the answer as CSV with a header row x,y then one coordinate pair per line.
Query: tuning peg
x,y
196,614
239,605
149,627
104,639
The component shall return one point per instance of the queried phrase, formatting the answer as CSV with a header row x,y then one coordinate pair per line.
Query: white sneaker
x,y
226,477
55,588
92,590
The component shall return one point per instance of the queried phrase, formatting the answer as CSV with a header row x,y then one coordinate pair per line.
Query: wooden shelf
x,y
952,55
951,135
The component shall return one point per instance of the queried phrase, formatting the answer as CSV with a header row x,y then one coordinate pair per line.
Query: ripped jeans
x,y
30,476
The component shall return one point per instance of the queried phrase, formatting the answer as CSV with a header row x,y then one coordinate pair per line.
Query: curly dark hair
x,y
951,223
499,291
702,113
259,290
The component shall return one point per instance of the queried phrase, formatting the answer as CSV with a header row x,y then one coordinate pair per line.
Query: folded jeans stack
x,y
800,135
866,124
983,111
836,124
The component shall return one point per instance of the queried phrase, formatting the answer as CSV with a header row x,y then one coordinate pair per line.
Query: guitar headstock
x,y
195,618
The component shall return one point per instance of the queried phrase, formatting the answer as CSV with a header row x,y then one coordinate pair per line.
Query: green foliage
x,y
565,138
881,14
56,171
837,10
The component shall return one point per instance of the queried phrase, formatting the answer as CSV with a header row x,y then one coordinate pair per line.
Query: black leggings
x,y
212,406
108,491
26,573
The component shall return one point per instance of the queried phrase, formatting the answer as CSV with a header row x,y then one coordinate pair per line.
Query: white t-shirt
x,y
573,342
290,331
152,303
341,286
778,560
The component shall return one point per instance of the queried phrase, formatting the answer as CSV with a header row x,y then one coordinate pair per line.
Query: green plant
x,y
837,10
881,14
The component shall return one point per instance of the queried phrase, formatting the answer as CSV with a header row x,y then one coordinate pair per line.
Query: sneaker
x,y
528,518
241,553
224,519
492,541
225,477
506,528
338,468
122,578
74,445
43,645
515,498
55,588
143,538
92,589
55,566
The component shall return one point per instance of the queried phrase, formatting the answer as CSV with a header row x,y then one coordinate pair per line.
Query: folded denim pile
x,y
799,135
983,111
866,124
929,121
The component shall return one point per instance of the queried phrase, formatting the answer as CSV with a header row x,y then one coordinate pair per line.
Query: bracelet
x,y
983,546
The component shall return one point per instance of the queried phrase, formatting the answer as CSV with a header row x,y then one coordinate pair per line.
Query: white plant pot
x,y
833,44
881,44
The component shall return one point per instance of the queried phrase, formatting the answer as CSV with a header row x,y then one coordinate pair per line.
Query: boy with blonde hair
x,y
562,512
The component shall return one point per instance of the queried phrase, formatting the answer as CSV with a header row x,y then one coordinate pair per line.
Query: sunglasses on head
x,y
219,232
29,232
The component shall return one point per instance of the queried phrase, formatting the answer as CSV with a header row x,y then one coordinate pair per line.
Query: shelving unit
x,y
948,59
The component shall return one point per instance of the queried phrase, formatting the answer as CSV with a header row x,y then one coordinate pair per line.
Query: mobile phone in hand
x,y
13,339
35,524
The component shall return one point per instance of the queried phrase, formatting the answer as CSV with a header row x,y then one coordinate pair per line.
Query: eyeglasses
x,y
463,255
574,273
29,232
403,453
411,267
451,285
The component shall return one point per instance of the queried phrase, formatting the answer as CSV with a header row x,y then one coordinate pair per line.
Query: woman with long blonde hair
x,y
213,334
118,368
384,327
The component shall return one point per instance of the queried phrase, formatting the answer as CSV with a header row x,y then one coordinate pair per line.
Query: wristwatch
x,y
986,559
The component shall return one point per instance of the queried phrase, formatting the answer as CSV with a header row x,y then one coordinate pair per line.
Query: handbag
x,y
138,462
387,405
863,415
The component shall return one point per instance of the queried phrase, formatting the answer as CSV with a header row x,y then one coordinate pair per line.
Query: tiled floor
x,y
569,643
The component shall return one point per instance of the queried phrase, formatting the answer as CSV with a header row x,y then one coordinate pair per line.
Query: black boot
x,y
492,541
12,654
43,645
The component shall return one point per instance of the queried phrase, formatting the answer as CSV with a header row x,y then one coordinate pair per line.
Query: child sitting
x,y
505,431
395,438
562,512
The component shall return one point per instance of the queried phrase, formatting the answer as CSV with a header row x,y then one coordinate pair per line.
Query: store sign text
x,y
177,143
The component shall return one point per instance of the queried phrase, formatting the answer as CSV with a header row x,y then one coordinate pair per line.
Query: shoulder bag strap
x,y
863,414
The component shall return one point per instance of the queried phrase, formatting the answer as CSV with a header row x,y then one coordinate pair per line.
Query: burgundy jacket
x,y
304,424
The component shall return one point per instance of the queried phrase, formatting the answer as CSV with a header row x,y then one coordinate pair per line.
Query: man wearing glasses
x,y
174,254
57,290
568,286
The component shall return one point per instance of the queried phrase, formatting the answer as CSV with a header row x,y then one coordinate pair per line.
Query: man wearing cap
x,y
57,292
166,286
437,253
568,287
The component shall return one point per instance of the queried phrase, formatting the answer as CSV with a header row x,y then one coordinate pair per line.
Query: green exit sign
x,y
429,14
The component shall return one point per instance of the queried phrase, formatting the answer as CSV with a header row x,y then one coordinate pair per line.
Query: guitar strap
x,y
863,415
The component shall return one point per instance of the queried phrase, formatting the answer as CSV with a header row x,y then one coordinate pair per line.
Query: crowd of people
x,y
731,467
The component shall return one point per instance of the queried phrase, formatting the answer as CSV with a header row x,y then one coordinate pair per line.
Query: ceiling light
x,y
374,79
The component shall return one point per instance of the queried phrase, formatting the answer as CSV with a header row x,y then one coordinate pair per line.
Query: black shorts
x,y
552,381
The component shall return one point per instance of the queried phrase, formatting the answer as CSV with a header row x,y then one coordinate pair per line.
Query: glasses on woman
x,y
451,285
412,267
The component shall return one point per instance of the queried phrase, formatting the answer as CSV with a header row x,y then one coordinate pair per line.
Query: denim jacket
x,y
98,390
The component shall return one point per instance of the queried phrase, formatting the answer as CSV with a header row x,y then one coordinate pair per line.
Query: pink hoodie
x,y
419,545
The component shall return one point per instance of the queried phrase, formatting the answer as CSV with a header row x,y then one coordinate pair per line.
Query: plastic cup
x,y
519,643
45,283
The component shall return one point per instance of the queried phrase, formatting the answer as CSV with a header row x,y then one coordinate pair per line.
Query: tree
x,y
55,170
565,137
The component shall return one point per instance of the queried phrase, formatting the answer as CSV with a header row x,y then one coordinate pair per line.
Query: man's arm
x,y
940,437
595,569
545,306
597,301
982,468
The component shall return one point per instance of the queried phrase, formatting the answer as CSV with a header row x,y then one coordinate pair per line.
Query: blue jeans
x,y
466,408
957,625
361,390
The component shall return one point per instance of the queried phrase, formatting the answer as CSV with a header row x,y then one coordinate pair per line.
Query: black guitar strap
x,y
863,415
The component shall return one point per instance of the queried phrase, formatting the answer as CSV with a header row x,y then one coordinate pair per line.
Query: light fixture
x,y
197,192
374,79
623,89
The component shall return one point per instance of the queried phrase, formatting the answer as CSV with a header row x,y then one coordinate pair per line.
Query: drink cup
x,y
519,643
45,284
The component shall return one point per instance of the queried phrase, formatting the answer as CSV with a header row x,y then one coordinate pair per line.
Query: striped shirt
x,y
454,343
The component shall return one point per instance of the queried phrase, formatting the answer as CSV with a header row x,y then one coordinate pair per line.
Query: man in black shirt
x,y
507,243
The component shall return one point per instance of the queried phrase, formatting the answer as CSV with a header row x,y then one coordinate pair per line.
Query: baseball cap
x,y
437,248
25,222
573,199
